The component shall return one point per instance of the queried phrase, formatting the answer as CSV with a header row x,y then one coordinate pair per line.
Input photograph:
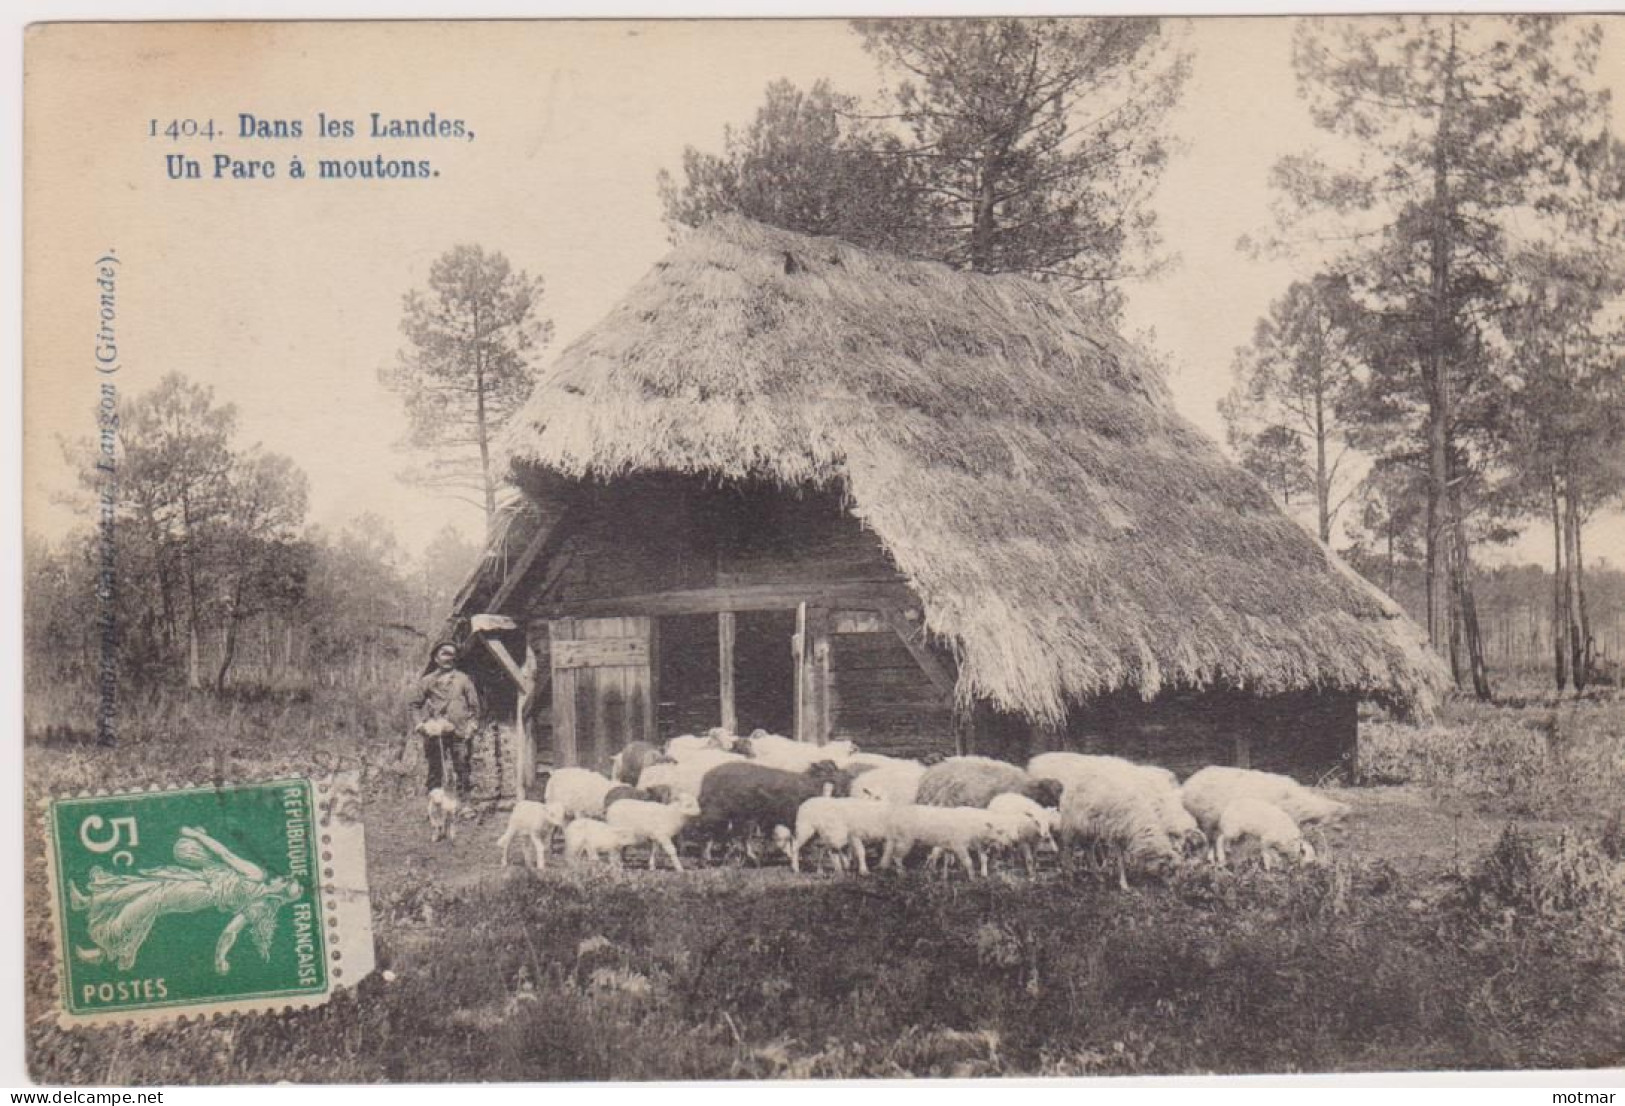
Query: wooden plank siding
x,y
598,707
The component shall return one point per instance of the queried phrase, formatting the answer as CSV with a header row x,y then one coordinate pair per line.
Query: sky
x,y
285,296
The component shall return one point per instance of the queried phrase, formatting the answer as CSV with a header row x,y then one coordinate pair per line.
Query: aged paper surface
x,y
767,417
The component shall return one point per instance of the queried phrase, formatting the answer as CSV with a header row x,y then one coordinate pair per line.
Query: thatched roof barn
x,y
1016,472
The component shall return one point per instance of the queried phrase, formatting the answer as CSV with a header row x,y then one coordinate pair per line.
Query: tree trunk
x,y
1438,361
1588,643
983,219
1572,589
1467,604
1560,669
481,431
1323,490
1391,528
228,653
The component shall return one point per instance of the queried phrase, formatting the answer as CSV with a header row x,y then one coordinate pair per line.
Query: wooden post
x,y
818,670
725,668
524,753
964,730
813,684
1244,751
799,651
564,696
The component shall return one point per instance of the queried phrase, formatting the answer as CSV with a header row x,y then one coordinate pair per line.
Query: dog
x,y
443,808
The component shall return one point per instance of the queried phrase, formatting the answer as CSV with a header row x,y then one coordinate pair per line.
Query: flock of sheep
x,y
724,789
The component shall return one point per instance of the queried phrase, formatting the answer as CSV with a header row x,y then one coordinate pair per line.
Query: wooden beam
x,y
725,668
912,636
516,572
742,597
505,658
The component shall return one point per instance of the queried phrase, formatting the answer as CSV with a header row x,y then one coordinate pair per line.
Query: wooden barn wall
x,y
881,699
1305,735
669,534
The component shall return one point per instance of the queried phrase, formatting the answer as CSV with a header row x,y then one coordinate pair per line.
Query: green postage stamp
x,y
195,900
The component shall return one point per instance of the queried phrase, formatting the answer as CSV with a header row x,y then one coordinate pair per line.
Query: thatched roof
x,y
1067,532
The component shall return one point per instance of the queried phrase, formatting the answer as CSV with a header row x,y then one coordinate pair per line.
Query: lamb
x,y
1160,785
954,830
876,760
974,781
616,794
898,783
790,755
839,823
443,807
588,837
1210,791
1274,828
1118,819
1032,825
656,823
535,822
715,738
753,798
580,791
626,765
687,775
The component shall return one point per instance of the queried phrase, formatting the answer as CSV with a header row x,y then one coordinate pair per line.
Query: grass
x,y
1440,935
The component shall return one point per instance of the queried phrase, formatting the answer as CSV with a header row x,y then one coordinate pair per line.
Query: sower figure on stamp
x,y
447,712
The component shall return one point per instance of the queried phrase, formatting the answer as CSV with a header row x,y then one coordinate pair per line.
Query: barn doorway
x,y
698,654
765,671
689,683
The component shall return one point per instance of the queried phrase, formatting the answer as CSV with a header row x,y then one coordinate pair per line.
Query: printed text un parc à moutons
x,y
324,161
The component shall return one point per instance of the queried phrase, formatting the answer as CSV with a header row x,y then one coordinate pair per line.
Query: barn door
x,y
603,688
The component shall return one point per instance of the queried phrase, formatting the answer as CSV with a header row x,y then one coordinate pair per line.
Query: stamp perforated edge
x,y
344,899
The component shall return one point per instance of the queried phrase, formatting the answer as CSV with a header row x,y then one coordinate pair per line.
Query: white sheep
x,y
687,772
1160,785
945,829
839,823
895,783
579,791
1118,820
1273,827
535,822
877,760
975,780
443,808
1210,791
790,755
656,823
715,738
588,837
1033,825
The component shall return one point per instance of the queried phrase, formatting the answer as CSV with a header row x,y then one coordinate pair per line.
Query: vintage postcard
x,y
823,549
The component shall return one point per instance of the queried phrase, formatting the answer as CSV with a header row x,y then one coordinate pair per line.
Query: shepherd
x,y
447,710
